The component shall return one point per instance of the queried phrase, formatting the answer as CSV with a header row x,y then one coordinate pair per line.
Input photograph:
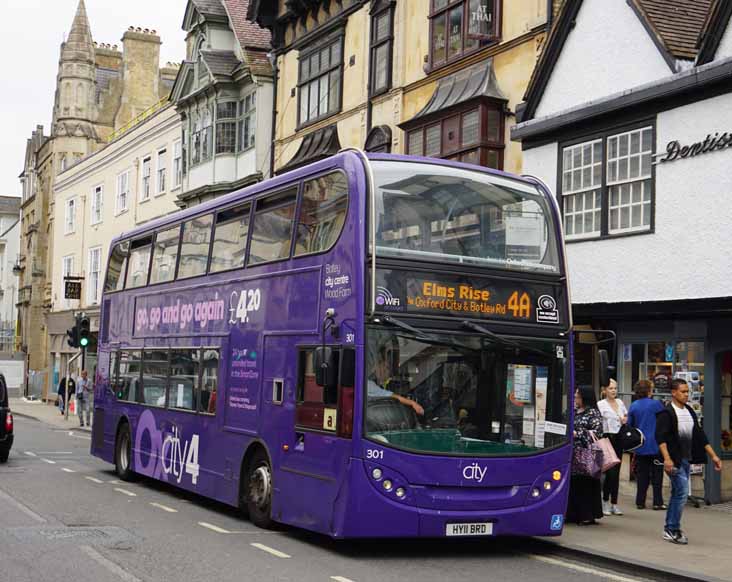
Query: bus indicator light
x,y
557,475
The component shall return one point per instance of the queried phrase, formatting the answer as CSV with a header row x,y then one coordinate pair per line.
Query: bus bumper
x,y
368,512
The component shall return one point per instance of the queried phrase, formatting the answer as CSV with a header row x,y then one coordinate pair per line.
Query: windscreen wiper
x,y
423,336
500,340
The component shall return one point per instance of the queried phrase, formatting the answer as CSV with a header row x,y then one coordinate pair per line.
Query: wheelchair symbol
x,y
556,523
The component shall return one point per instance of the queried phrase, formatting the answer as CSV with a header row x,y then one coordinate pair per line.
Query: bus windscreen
x,y
439,213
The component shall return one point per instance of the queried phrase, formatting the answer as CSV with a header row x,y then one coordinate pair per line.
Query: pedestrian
x,y
649,466
83,395
585,492
61,391
614,415
682,442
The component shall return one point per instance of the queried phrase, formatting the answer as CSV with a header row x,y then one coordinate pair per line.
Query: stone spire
x,y
79,45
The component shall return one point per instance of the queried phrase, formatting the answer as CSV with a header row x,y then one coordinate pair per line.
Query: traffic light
x,y
73,336
84,326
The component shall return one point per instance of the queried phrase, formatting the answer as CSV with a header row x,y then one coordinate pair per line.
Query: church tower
x,y
74,109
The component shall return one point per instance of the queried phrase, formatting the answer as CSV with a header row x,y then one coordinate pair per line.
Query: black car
x,y
6,422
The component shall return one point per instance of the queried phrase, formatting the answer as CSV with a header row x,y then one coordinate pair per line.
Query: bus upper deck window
x,y
230,239
117,267
323,212
195,245
165,255
139,262
272,229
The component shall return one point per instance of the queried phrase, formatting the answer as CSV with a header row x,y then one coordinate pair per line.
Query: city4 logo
x,y
179,458
474,472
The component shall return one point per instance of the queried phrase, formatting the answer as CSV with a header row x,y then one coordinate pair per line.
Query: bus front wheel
x,y
259,491
123,454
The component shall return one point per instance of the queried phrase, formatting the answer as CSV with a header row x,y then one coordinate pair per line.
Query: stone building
x,y
100,92
439,78
223,93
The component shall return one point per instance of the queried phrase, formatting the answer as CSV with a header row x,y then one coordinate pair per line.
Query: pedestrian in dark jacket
x,y
682,442
61,390
642,415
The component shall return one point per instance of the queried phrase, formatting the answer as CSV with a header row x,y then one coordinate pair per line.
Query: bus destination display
x,y
418,293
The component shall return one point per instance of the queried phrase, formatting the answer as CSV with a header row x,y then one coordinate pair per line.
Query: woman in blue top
x,y
649,465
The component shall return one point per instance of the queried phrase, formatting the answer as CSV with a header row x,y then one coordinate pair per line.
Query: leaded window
x,y
319,84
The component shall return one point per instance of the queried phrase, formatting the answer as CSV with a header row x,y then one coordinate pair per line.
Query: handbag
x,y
586,461
630,438
608,456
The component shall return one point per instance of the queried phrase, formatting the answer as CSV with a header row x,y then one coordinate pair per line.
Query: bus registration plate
x,y
469,529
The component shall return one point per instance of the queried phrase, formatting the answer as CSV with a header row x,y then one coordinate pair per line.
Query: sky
x,y
30,44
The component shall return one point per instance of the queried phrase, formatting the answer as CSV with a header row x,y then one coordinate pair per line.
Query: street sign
x,y
72,289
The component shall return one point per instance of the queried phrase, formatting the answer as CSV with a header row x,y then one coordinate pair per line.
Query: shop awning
x,y
477,81
315,146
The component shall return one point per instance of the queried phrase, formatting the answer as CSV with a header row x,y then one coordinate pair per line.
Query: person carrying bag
x,y
585,495
614,415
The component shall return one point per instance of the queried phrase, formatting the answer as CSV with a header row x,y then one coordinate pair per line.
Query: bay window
x,y
473,134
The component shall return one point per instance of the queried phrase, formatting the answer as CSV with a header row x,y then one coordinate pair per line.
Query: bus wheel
x,y
123,454
259,491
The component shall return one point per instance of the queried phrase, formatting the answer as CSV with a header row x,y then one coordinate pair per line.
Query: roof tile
x,y
249,34
677,24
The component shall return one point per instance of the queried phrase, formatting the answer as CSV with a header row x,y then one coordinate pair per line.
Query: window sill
x,y
144,200
221,154
69,232
159,194
245,150
432,68
120,212
315,120
608,236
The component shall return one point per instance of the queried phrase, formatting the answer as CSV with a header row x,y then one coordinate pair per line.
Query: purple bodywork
x,y
321,482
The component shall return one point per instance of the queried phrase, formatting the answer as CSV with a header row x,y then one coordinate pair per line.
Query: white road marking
x,y
68,470
271,550
341,579
109,565
49,461
115,482
55,453
164,507
18,505
212,527
94,479
584,569
79,436
124,491
30,454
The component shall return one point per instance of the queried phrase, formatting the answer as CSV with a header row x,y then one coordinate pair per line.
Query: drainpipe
x,y
274,115
549,14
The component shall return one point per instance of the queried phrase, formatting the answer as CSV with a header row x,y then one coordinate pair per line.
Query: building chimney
x,y
140,73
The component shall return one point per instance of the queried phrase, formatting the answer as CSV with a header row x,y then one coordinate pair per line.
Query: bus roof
x,y
297,174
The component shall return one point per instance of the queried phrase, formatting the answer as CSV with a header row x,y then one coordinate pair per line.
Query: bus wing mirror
x,y
604,367
325,362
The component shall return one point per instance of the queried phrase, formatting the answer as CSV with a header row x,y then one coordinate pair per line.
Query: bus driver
x,y
381,375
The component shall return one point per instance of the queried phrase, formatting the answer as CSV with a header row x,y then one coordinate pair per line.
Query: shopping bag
x,y
630,438
72,405
608,457
586,461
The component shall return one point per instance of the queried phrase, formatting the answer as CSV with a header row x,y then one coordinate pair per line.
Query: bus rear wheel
x,y
259,491
123,454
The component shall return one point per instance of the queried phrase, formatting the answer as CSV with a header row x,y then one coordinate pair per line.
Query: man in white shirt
x,y
376,388
682,442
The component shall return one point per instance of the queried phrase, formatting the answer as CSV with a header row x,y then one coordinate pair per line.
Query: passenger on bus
x,y
376,386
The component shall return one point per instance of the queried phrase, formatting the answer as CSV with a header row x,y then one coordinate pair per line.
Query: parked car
x,y
6,422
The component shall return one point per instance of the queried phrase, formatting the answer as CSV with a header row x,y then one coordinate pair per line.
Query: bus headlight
x,y
376,473
400,492
387,484
535,492
547,486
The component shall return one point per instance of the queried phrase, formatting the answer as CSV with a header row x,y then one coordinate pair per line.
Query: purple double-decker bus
x,y
368,346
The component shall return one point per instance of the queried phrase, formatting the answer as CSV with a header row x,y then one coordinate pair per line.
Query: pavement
x,y
631,539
